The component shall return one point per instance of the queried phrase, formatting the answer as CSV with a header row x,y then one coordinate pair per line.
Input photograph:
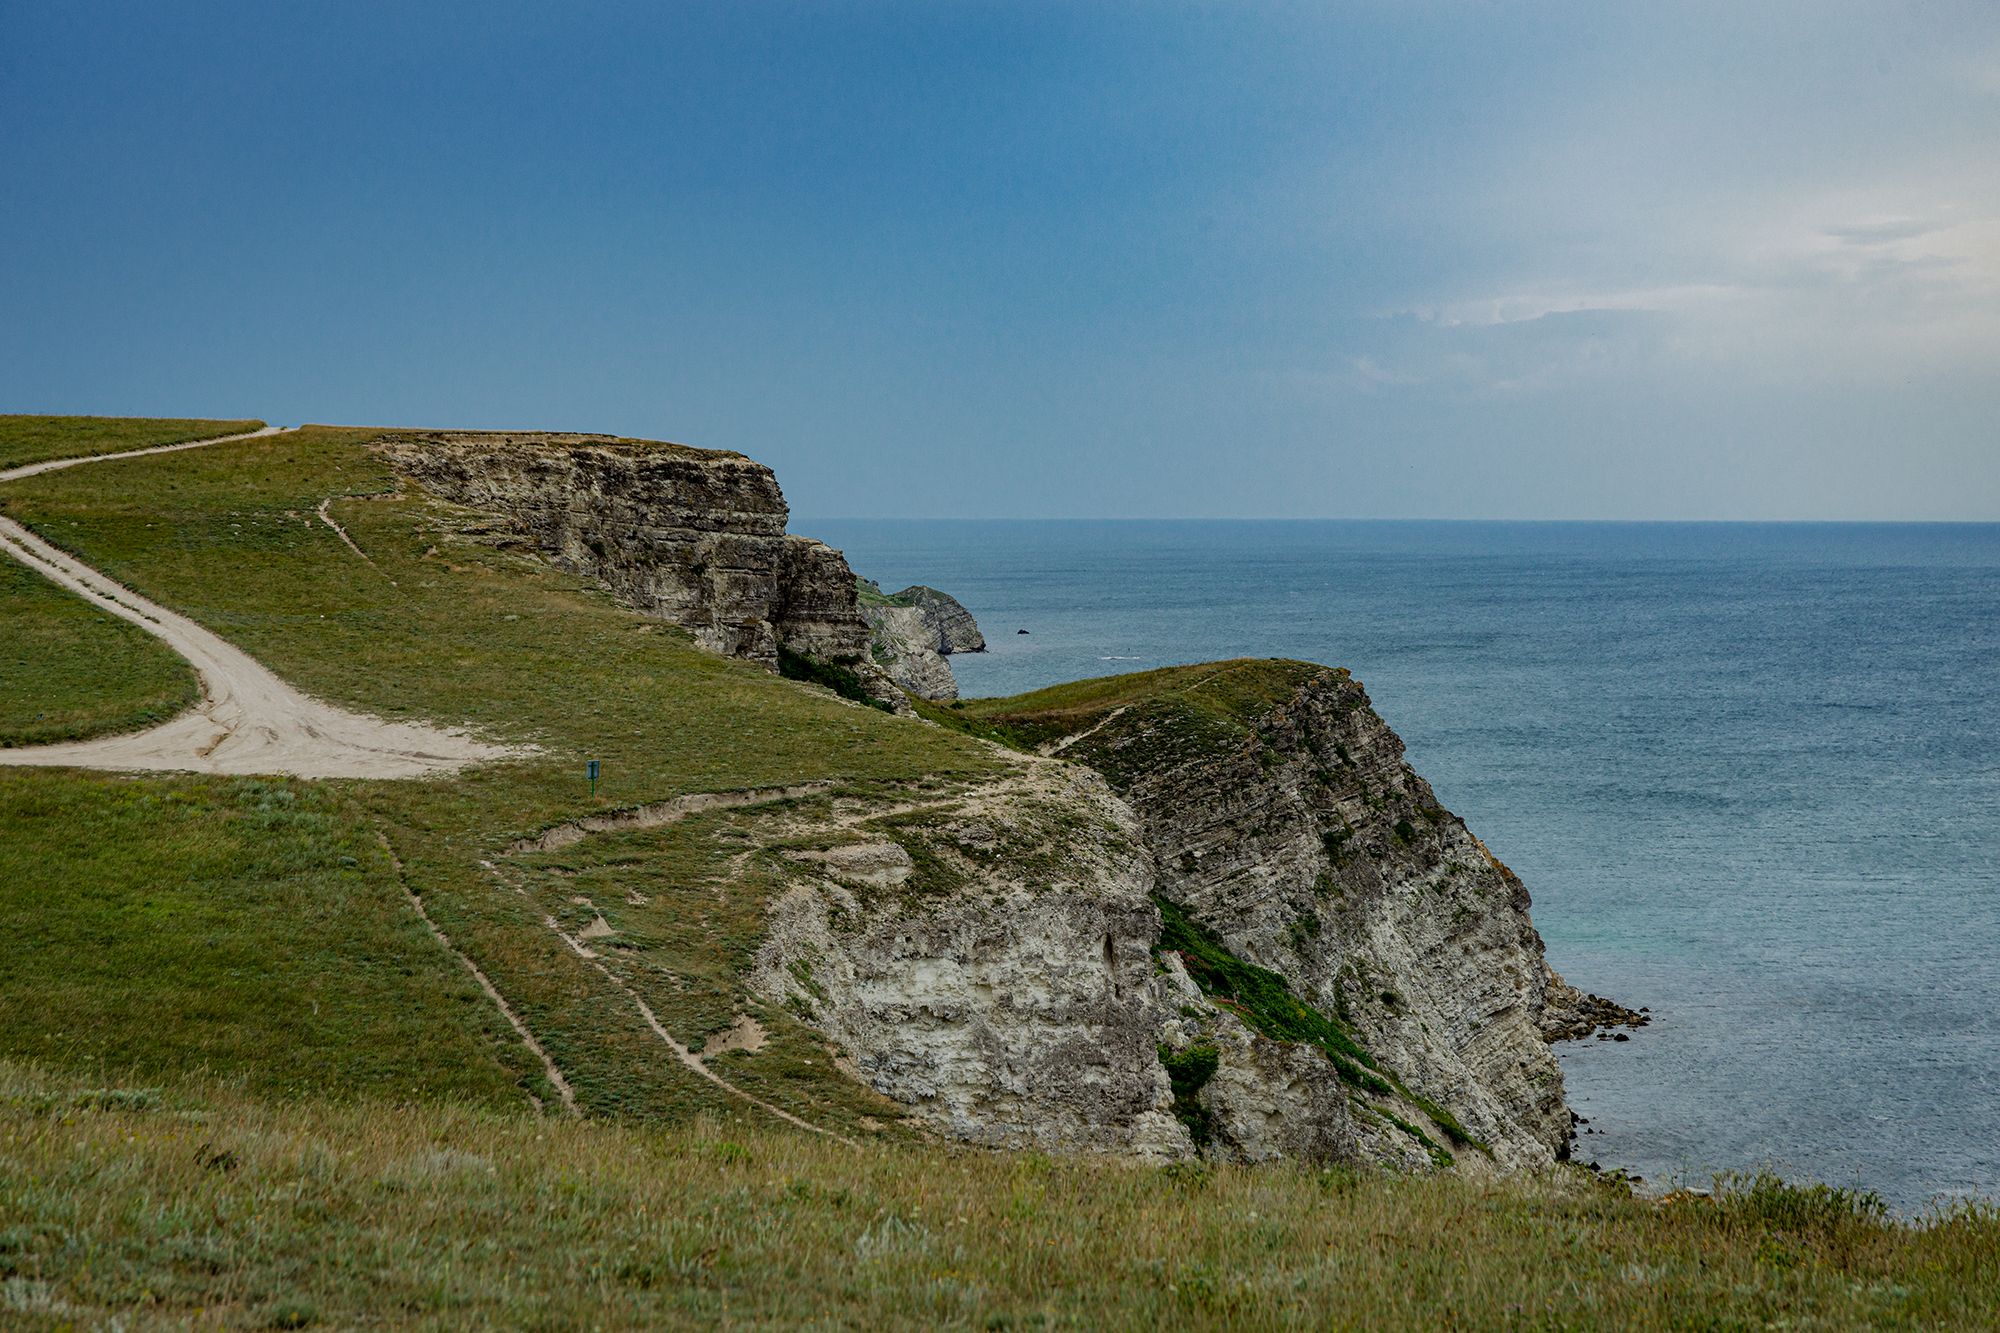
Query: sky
x,y
1395,258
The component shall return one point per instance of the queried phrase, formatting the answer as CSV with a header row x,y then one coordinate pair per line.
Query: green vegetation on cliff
x,y
1269,1006
1263,999
1170,716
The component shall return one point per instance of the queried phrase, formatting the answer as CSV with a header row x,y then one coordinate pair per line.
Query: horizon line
x,y
1622,522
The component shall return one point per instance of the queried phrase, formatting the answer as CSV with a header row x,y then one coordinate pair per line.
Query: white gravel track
x,y
248,721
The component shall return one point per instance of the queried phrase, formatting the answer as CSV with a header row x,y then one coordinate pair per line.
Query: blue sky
x,y
1452,258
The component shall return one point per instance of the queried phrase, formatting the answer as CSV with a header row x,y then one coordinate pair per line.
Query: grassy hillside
x,y
439,625
35,439
68,670
158,928
260,1215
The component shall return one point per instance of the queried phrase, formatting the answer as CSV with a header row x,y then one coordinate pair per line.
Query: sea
x,y
1749,772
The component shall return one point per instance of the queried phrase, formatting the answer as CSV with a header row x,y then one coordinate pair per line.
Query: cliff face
x,y
956,630
904,644
913,631
1285,826
694,536
1314,850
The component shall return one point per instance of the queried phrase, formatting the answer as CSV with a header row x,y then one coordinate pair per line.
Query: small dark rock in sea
x,y
1020,631
1620,1036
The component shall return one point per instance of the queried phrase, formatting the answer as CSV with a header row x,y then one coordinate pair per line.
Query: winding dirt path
x,y
659,814
680,1052
1056,747
535,1048
326,516
249,721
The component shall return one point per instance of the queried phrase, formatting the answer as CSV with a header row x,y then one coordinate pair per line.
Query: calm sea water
x,y
1751,774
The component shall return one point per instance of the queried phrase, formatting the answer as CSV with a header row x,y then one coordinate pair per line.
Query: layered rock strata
x,y
695,536
956,630
1288,823
913,631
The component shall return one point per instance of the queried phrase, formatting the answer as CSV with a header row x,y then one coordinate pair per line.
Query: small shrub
x,y
1335,843
839,679
116,1099
1189,1071
290,1314
1771,1201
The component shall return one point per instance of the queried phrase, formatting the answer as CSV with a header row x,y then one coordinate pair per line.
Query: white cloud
x,y
1523,306
1872,284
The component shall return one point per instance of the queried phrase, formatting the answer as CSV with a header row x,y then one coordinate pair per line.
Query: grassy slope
x,y
257,1215
450,629
1210,706
254,929
68,670
34,439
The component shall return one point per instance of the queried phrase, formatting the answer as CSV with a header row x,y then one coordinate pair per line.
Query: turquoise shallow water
x,y
1751,774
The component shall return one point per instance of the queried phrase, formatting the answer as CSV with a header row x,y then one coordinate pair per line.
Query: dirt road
x,y
248,721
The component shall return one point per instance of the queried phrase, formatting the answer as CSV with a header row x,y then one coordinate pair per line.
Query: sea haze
x,y
1750,773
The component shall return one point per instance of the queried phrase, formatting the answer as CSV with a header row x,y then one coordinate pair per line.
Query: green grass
x,y
165,1207
35,439
686,905
158,928
1172,716
68,670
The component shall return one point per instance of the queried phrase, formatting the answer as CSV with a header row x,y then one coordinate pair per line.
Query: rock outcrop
x,y
956,630
695,536
1569,1014
904,645
913,631
987,961
1241,925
